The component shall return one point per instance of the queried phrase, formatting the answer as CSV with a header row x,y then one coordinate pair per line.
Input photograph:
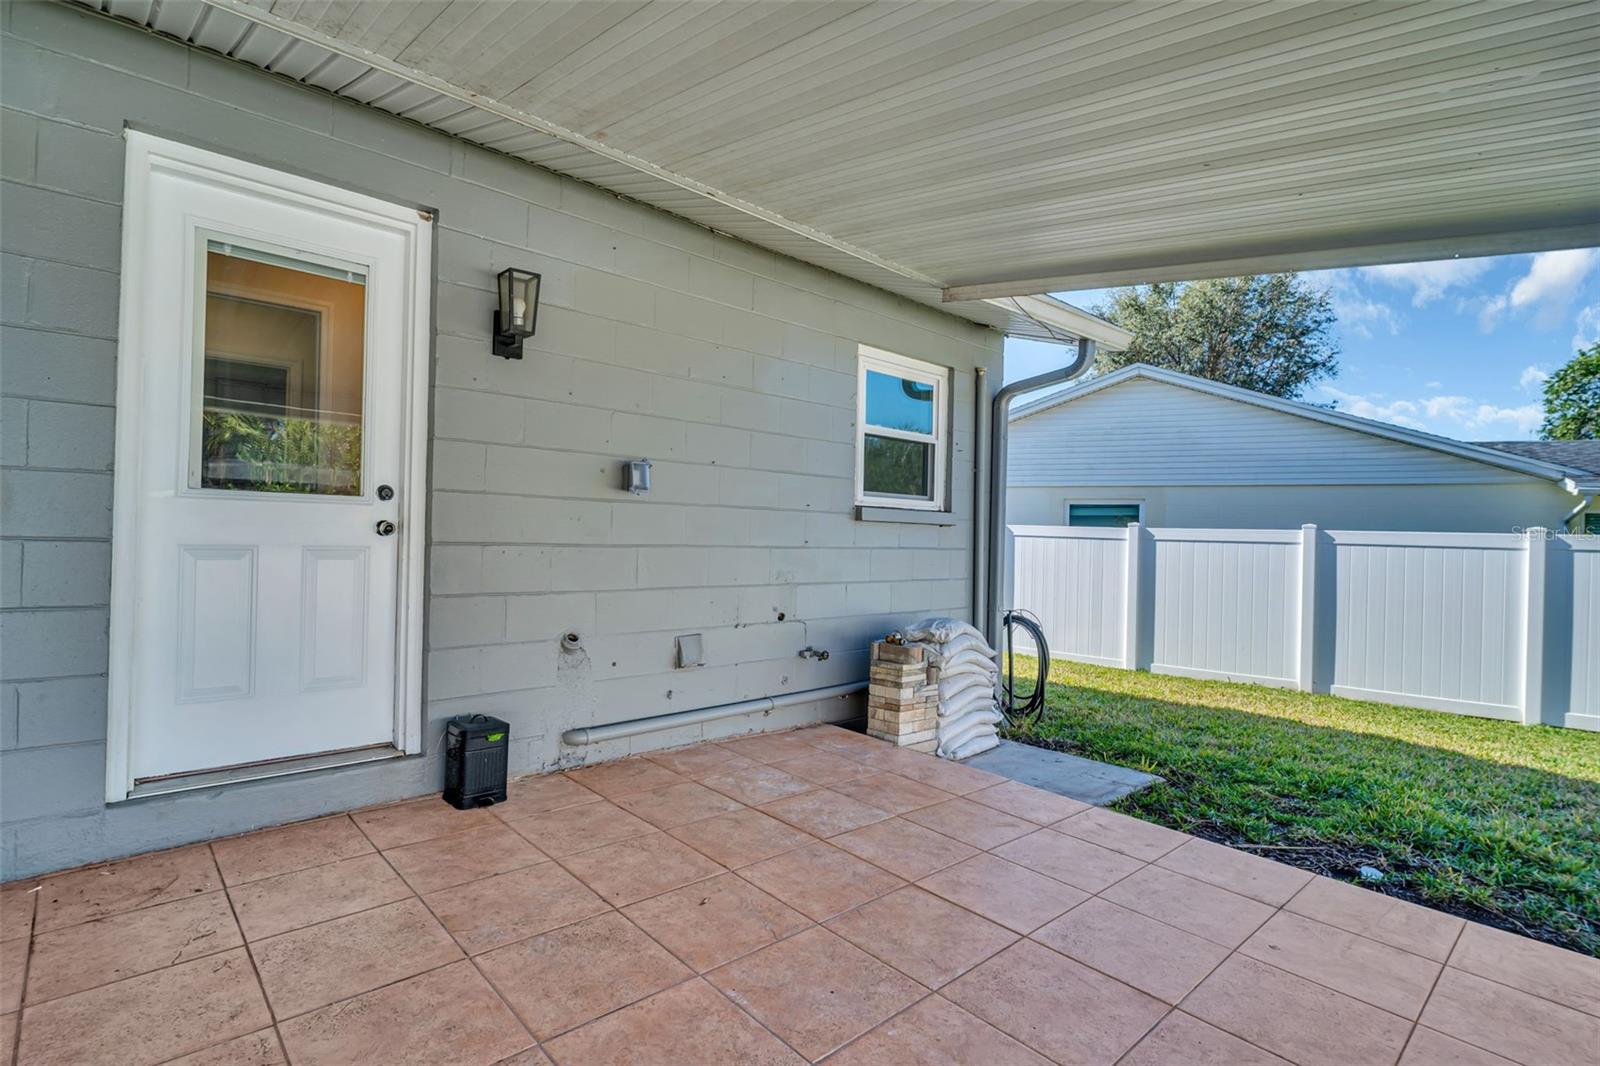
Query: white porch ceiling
x,y
972,150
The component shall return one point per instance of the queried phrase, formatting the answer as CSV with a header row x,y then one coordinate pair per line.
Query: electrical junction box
x,y
476,750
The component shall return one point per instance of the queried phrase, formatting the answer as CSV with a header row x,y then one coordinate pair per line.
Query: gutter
x,y
633,727
999,435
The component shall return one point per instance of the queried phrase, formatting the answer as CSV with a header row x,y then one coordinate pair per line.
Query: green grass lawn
x,y
1491,820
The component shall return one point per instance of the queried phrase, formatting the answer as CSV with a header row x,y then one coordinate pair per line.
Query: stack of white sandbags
x,y
969,671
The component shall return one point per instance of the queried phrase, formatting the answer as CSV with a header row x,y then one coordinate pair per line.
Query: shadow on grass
x,y
1443,809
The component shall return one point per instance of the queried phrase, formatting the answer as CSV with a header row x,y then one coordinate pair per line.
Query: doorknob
x,y
385,528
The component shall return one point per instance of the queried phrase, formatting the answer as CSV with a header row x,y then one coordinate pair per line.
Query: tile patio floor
x,y
802,896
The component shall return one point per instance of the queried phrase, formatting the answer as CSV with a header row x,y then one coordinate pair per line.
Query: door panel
x,y
216,622
333,622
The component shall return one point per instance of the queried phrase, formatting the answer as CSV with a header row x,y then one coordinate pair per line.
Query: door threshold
x,y
231,775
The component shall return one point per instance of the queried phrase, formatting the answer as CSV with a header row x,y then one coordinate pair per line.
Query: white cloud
x,y
1431,385
1532,377
1552,283
1357,312
1525,418
1399,412
1489,313
1447,415
1428,281
1588,327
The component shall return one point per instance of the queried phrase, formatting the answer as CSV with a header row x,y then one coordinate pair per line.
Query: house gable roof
x,y
1481,453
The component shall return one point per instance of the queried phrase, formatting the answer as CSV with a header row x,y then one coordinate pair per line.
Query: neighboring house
x,y
1168,449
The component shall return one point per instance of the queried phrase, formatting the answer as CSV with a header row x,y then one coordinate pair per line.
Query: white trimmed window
x,y
902,431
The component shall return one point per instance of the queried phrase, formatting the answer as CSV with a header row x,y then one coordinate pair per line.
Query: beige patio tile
x,y
712,922
561,979
293,847
569,830
971,823
904,848
891,792
320,964
771,747
260,1048
1224,917
125,945
886,757
430,865
17,901
253,1049
1295,1018
1544,970
613,779
526,1057
1429,1048
1004,892
741,837
1182,1040
446,1013
836,738
948,776
13,972
1509,1022
677,804
1077,862
815,991
499,910
690,1023
1374,973
8,1038
701,760
824,813
824,768
935,1032
1025,801
631,870
304,897
423,819
1147,954
1393,921
1131,836
757,784
819,880
1262,879
924,937
1057,1007
150,1018
143,881
528,796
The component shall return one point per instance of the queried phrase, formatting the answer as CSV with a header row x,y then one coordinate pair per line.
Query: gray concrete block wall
x,y
731,368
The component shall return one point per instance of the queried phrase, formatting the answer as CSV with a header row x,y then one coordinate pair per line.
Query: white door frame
x,y
147,154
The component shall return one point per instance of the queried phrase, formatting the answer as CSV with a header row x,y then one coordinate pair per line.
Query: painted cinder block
x,y
732,367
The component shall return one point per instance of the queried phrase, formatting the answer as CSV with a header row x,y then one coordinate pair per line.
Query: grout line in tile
x,y
255,971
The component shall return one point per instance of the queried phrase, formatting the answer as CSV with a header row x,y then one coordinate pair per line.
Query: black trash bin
x,y
475,750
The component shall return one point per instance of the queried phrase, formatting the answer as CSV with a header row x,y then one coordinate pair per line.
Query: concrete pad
x,y
1077,778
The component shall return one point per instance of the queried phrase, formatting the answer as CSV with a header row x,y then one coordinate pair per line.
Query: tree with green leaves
x,y
1268,332
1572,399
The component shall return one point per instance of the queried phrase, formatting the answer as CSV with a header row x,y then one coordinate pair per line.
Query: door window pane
x,y
894,467
899,403
281,387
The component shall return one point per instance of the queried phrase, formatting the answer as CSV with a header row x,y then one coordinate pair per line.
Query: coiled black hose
x,y
1023,710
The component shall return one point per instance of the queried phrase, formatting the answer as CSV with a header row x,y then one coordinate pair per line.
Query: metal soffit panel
x,y
974,150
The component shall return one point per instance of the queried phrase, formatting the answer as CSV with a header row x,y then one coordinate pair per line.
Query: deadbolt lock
x,y
385,492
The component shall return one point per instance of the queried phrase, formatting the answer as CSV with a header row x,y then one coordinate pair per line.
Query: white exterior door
x,y
267,471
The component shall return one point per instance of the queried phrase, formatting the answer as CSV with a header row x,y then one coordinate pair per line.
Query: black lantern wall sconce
x,y
518,311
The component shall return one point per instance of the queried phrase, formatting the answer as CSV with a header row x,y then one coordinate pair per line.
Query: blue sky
x,y
1459,347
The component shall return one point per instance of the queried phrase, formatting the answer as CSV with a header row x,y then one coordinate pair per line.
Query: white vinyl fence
x,y
1498,625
